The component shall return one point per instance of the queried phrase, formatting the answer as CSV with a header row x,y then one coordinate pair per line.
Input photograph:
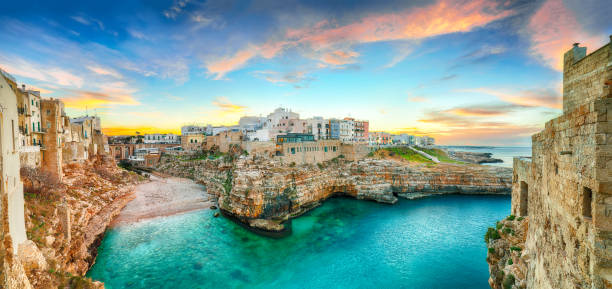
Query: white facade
x,y
11,187
347,131
319,127
274,119
424,141
251,123
157,138
192,129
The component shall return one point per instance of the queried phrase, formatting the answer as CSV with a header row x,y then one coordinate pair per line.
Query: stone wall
x,y
260,148
583,79
566,188
308,152
51,111
29,156
354,152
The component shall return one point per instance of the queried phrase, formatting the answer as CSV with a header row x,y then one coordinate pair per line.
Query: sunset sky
x,y
466,72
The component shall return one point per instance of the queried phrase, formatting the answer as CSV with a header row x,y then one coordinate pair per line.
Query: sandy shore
x,y
163,196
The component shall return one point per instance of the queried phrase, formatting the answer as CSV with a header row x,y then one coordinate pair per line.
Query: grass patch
x,y
408,154
440,154
513,248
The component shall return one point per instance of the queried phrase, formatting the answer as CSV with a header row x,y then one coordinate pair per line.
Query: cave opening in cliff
x,y
524,197
587,199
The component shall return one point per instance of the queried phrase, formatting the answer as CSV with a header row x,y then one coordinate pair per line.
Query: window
x,y
191,141
39,126
587,200
524,199
32,102
292,151
325,149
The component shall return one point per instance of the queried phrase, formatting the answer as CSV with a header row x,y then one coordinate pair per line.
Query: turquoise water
x,y
504,153
435,242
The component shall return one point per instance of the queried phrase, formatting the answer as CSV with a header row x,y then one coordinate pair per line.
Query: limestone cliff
x,y
66,220
265,193
507,257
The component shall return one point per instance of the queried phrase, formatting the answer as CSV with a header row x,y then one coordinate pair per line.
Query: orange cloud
x,y
478,111
450,128
339,57
324,39
553,29
532,97
221,67
93,99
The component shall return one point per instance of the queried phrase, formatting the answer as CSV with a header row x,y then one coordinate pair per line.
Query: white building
x,y
192,129
280,121
424,141
319,127
251,123
157,138
347,131
11,187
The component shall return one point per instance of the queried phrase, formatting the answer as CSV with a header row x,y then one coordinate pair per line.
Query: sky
x,y
482,72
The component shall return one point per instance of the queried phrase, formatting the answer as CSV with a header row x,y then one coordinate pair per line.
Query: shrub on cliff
x,y
510,218
491,234
508,281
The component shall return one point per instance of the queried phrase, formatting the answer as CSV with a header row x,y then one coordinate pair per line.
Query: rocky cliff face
x,y
266,194
507,256
473,157
66,220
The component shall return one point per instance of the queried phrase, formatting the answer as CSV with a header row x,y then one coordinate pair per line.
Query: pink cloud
x,y
530,97
553,29
330,43
221,67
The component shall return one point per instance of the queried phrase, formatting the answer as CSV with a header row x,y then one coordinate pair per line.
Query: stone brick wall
x,y
309,152
583,79
567,183
51,110
354,152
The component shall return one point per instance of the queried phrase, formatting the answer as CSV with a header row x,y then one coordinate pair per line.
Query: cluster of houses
x,y
43,135
281,134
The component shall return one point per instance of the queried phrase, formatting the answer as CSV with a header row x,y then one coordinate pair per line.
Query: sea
x,y
432,242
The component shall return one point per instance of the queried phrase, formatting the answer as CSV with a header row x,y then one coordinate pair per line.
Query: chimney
x,y
576,44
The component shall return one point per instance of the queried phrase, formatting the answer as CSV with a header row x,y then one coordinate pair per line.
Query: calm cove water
x,y
434,242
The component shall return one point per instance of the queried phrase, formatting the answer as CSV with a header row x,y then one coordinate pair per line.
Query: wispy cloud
x,y
545,97
225,107
299,79
105,71
176,8
43,73
451,127
330,42
553,29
